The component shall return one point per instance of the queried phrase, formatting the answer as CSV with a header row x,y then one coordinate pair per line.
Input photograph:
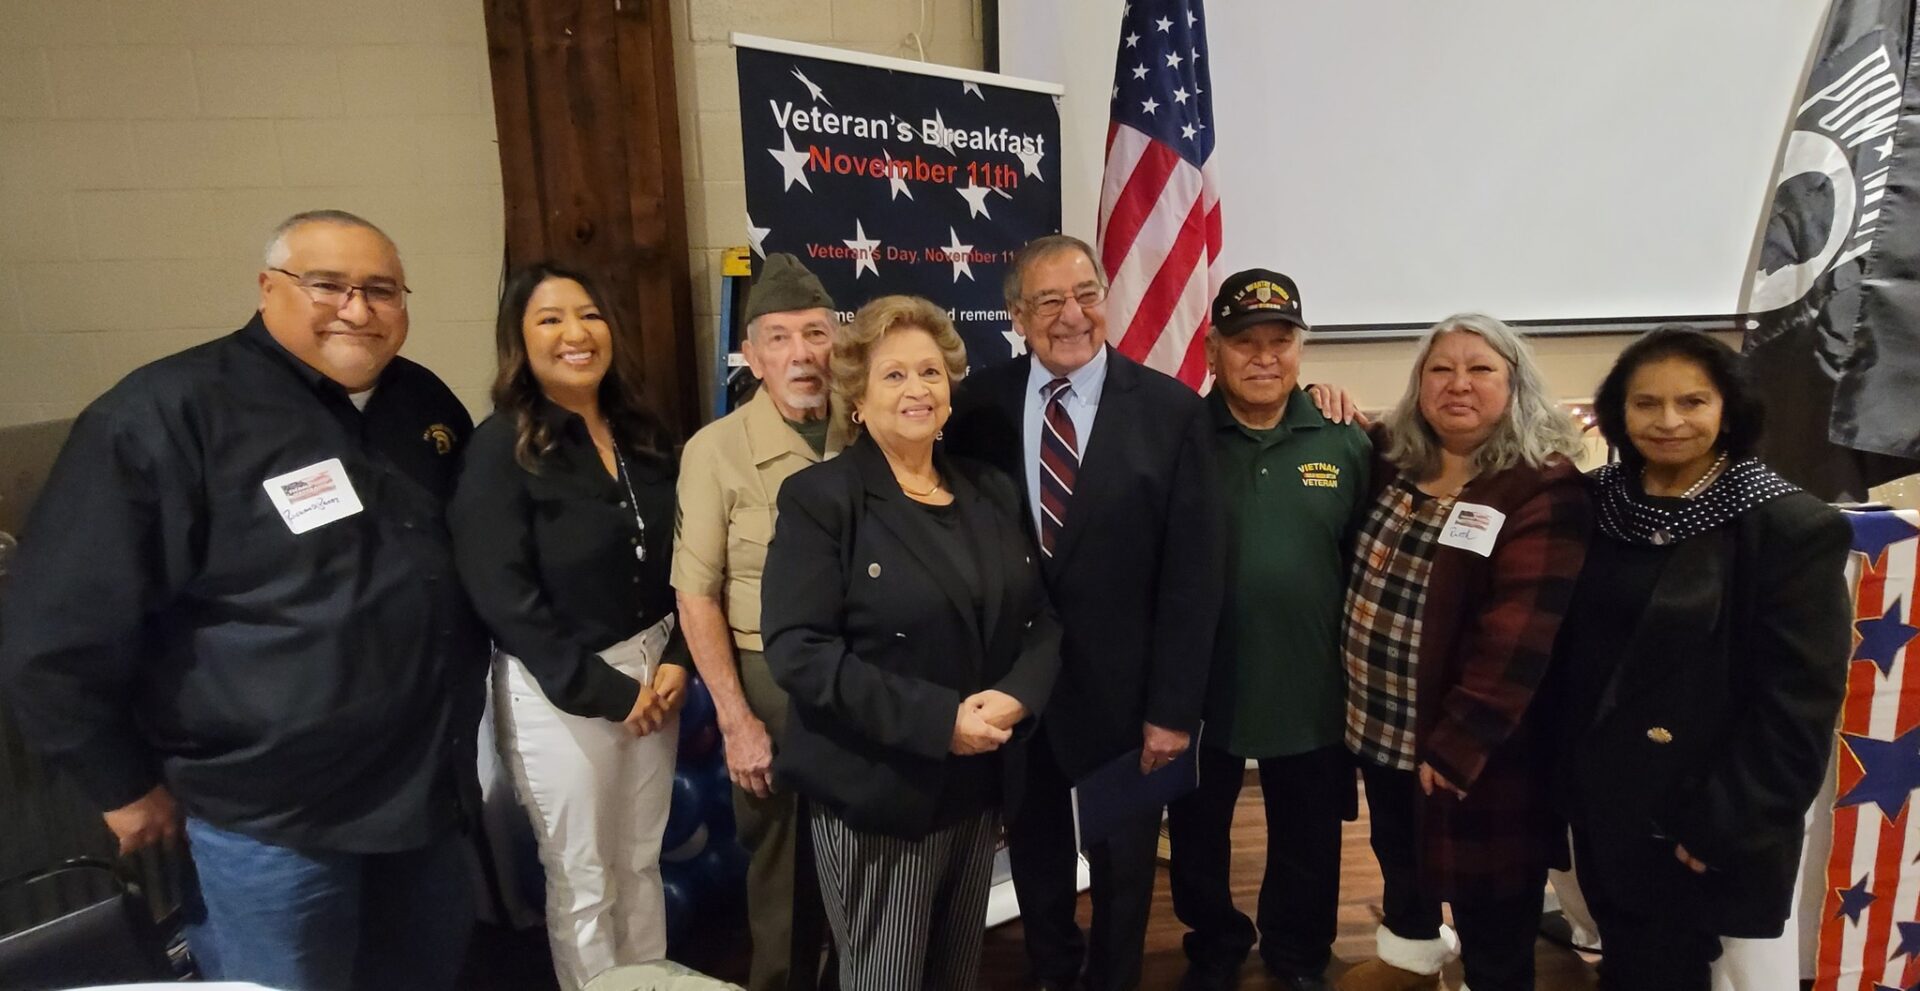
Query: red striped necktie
x,y
1059,463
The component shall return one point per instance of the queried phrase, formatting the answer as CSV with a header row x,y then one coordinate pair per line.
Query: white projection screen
x,y
1541,160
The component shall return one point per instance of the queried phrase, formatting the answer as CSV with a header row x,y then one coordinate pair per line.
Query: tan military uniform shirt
x,y
730,475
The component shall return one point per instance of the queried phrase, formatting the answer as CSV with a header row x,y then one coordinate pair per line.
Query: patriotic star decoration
x,y
1882,639
945,142
957,254
1909,940
793,164
1030,162
974,88
1015,342
757,237
819,95
1156,87
1874,532
1891,771
896,184
1854,900
976,197
865,251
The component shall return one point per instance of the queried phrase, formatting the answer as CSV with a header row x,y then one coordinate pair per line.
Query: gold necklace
x,y
915,492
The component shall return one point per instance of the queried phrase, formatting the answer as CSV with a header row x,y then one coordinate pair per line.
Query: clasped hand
x,y
658,701
984,721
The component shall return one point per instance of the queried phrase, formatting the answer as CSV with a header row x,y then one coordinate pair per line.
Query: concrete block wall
x,y
148,146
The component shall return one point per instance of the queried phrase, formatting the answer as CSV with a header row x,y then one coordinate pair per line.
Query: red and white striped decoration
x,y
1159,200
1872,858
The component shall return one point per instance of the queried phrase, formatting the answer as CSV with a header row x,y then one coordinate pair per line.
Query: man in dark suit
x,y
1115,464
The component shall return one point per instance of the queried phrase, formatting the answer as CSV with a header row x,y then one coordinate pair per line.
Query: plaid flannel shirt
x,y
1388,590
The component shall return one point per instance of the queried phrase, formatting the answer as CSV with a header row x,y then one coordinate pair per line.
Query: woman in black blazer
x,y
1704,659
912,632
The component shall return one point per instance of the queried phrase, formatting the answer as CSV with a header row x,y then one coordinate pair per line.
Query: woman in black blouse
x,y
1704,658
563,530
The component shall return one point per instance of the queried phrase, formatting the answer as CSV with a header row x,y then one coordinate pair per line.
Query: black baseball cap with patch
x,y
1256,296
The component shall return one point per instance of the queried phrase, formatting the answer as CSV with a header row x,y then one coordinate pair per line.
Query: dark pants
x,y
906,913
1496,936
1041,849
307,920
784,913
1642,951
1300,891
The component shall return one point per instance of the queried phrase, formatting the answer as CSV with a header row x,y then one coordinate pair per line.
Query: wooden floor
x,y
518,961
1004,966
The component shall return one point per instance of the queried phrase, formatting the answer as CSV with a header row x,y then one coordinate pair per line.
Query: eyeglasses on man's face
x,y
1049,304
331,290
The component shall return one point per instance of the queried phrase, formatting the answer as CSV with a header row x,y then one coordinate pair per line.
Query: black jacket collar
x,y
908,521
256,334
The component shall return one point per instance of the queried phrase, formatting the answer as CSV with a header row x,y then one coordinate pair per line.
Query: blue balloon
x,y
700,743
721,874
721,826
697,713
716,792
680,908
679,873
688,850
685,814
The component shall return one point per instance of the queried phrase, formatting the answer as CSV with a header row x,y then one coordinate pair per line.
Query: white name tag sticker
x,y
1472,527
313,496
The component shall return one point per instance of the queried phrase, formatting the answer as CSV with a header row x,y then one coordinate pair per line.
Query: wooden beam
x,y
584,102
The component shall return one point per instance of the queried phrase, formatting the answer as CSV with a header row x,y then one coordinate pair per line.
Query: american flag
x,y
1870,916
1159,201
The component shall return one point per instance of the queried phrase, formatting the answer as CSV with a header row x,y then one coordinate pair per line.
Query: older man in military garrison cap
x,y
730,476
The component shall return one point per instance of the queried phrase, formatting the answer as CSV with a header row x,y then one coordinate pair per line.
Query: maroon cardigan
x,y
1486,637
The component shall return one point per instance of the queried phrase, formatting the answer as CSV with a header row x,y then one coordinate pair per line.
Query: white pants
x,y
598,799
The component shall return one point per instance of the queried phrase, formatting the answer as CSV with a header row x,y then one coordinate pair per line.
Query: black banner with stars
x,y
885,180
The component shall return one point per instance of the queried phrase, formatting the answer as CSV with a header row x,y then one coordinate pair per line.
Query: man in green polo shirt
x,y
1294,483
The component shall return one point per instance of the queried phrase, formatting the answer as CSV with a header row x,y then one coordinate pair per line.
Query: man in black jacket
x,y
1115,463
235,604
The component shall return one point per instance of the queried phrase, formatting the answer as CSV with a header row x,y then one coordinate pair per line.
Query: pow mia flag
x,y
1833,306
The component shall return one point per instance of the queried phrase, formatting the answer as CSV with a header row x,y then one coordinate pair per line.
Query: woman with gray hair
x,y
1462,571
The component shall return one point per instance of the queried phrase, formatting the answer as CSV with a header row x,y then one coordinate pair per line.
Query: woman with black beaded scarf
x,y
1703,658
